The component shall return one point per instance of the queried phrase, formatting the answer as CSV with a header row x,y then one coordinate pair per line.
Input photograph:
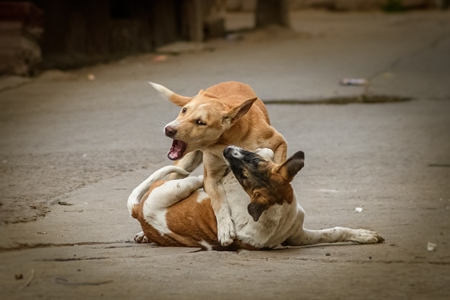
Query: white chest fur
x,y
273,227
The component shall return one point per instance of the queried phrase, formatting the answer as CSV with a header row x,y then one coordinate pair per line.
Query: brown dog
x,y
225,114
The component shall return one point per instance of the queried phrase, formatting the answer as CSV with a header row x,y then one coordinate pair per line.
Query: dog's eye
x,y
256,161
184,110
200,122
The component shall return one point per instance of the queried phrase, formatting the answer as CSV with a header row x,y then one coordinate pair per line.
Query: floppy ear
x,y
255,209
174,98
292,165
257,206
237,112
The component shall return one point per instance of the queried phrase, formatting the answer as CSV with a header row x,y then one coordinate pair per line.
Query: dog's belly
x,y
275,225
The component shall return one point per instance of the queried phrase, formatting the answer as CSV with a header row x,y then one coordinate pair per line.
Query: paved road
x,y
86,143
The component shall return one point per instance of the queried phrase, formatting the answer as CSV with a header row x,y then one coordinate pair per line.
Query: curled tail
x,y
137,194
173,97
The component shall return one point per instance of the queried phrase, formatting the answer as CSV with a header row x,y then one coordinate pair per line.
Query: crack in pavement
x,y
25,246
432,45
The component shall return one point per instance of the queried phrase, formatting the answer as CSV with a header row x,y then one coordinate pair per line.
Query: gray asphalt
x,y
72,149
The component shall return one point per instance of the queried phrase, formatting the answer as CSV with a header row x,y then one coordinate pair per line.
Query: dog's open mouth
x,y
177,150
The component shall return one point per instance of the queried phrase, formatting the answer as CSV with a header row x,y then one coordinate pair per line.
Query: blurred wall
x,y
81,32
341,5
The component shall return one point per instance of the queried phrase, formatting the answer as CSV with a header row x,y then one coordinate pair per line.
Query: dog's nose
x,y
170,131
227,151
232,151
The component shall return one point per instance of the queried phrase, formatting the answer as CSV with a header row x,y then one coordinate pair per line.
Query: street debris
x,y
18,276
29,280
354,81
159,58
359,209
431,246
64,203
41,232
328,191
234,37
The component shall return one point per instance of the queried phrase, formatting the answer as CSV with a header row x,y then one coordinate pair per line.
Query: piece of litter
x,y
159,58
91,77
328,191
41,232
232,37
431,246
29,280
354,81
359,209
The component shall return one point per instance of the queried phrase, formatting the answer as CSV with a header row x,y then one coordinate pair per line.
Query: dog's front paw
x,y
140,238
226,232
364,236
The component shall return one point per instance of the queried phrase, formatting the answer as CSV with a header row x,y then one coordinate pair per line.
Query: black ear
x,y
255,209
292,165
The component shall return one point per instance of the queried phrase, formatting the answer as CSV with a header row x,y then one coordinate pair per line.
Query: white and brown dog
x,y
263,205
225,114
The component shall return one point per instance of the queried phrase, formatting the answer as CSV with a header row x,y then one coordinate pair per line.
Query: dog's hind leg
x,y
137,194
333,235
173,191
141,238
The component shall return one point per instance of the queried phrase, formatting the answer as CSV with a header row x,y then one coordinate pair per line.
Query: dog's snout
x,y
170,131
232,151
227,151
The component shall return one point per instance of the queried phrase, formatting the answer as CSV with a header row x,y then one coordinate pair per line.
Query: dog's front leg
x,y
213,186
333,235
189,162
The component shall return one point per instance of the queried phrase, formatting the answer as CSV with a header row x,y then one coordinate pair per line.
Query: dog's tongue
x,y
177,150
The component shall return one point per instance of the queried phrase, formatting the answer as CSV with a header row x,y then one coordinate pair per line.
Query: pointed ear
x,y
237,112
168,94
292,165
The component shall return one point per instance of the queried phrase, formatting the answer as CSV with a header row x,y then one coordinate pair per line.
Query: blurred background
x,y
44,34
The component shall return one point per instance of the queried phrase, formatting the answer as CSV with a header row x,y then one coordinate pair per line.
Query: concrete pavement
x,y
72,149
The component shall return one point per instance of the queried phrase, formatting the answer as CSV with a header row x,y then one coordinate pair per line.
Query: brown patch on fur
x,y
191,223
268,183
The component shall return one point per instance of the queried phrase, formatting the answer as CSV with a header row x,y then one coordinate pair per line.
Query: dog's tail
x,y
172,96
140,190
